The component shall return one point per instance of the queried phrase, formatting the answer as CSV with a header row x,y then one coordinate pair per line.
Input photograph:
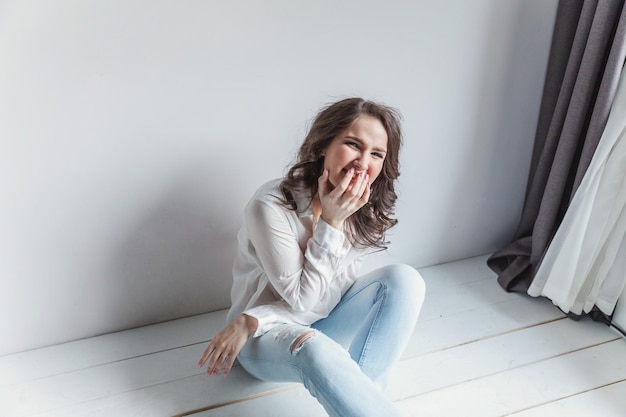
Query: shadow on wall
x,y
177,258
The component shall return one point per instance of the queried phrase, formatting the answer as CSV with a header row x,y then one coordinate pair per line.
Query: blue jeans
x,y
344,359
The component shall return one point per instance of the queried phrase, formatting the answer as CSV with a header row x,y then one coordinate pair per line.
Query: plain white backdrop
x,y
133,132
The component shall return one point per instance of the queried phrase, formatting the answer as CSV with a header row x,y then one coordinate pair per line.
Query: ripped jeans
x,y
344,360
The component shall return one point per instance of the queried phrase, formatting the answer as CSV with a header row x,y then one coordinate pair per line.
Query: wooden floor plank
x,y
606,401
95,351
171,398
521,388
449,330
449,367
296,402
457,272
95,382
463,297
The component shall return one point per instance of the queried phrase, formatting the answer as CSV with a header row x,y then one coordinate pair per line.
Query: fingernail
x,y
225,374
351,171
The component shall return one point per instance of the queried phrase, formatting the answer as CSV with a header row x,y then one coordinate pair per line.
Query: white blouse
x,y
289,267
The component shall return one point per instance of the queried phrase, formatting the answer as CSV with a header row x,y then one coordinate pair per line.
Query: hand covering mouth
x,y
356,173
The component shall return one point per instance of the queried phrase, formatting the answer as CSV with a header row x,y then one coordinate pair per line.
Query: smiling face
x,y
362,146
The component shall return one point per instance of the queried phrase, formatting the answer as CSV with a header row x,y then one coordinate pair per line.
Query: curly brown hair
x,y
366,227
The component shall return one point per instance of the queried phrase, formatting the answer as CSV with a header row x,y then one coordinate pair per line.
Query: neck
x,y
316,207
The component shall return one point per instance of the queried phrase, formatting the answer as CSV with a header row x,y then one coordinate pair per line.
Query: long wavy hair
x,y
368,226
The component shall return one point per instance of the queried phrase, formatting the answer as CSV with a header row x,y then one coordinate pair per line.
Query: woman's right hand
x,y
226,344
345,199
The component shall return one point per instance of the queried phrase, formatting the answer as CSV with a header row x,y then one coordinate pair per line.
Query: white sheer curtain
x,y
585,264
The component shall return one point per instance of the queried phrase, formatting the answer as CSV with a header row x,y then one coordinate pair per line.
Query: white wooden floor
x,y
476,351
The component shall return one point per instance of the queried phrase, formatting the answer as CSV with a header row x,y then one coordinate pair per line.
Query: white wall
x,y
134,131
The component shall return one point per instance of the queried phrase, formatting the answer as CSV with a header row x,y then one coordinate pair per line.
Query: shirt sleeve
x,y
299,277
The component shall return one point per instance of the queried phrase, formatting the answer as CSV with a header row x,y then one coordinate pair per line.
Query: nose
x,y
361,164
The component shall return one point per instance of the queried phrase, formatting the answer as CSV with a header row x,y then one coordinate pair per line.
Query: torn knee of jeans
x,y
304,337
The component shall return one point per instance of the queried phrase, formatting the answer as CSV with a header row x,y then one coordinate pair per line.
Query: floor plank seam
x,y
104,364
491,336
139,389
564,397
483,306
583,348
239,400
509,369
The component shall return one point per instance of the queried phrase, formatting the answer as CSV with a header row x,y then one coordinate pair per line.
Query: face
x,y
363,145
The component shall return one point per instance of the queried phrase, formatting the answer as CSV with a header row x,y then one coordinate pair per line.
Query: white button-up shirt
x,y
290,268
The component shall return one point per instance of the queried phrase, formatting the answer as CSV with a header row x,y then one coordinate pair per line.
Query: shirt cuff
x,y
329,238
265,316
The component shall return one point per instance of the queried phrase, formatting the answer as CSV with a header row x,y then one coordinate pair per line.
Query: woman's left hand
x,y
225,346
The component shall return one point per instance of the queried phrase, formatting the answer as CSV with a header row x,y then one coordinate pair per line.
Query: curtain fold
x,y
585,264
586,59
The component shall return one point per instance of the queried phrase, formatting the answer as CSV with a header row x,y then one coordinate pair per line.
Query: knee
x,y
404,279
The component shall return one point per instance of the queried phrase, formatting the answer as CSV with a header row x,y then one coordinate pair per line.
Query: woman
x,y
300,311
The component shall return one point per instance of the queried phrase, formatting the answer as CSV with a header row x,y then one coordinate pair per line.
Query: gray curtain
x,y
586,58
